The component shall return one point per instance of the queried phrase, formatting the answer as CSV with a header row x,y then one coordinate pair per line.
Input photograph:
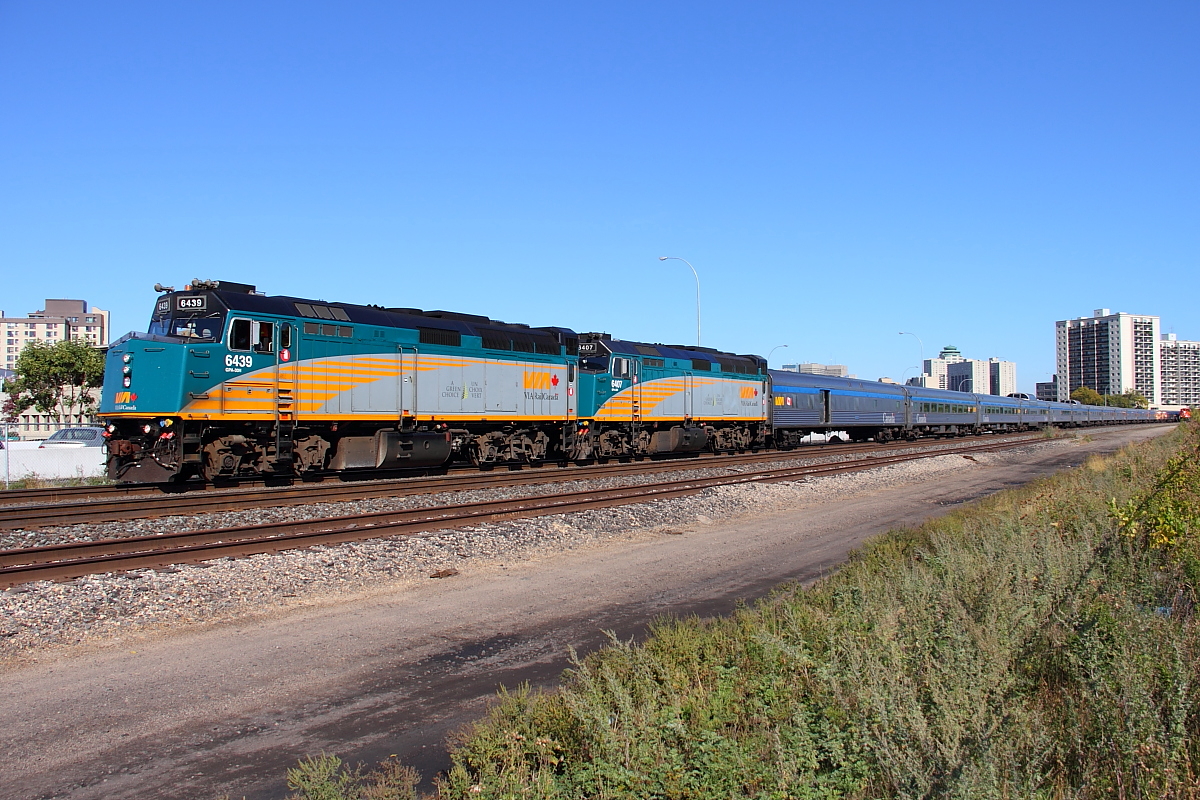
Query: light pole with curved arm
x,y
918,338
697,276
773,349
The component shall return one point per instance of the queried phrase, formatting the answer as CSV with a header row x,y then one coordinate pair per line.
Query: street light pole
x,y
697,276
773,349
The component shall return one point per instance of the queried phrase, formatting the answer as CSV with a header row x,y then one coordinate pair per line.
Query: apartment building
x,y
1180,372
1110,353
59,321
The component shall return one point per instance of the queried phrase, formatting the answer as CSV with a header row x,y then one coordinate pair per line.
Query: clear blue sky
x,y
836,172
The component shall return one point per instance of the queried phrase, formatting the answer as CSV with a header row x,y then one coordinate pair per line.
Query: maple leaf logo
x,y
554,380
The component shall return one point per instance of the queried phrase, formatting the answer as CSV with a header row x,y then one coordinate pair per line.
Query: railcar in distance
x,y
803,404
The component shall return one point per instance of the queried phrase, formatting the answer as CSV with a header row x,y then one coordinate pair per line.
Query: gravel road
x,y
198,681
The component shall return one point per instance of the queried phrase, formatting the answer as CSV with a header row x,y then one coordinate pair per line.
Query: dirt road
x,y
226,709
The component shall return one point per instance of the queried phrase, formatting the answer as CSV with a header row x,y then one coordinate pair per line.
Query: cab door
x,y
572,391
635,389
250,369
408,381
286,400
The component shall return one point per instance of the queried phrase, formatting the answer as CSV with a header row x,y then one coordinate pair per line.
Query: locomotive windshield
x,y
594,363
205,328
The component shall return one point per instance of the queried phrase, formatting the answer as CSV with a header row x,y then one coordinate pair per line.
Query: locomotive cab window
x,y
248,334
621,367
266,337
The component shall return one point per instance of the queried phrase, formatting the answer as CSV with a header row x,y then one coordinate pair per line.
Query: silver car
x,y
74,437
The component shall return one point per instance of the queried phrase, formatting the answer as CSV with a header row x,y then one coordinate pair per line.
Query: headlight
x,y
127,357
126,370
147,428
126,381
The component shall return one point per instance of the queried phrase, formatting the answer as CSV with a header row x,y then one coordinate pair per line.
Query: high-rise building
x,y
950,370
1002,377
969,375
58,321
937,375
1180,371
1110,353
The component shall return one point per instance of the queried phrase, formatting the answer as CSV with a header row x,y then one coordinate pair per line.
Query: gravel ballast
x,y
43,617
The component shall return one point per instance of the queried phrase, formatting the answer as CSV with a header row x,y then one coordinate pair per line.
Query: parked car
x,y
74,437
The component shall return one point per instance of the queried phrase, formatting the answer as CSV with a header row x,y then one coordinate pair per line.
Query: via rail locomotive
x,y
228,382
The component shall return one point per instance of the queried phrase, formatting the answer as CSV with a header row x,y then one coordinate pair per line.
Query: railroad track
x,y
92,509
75,559
69,494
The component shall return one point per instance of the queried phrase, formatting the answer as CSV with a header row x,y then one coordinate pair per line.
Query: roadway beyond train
x,y
228,383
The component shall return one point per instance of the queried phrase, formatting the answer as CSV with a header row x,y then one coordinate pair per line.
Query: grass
x,y
34,481
1040,643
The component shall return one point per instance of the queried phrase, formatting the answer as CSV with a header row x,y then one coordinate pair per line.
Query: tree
x,y
55,379
1129,399
1088,396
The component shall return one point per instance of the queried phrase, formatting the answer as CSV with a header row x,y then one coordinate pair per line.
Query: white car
x,y
74,437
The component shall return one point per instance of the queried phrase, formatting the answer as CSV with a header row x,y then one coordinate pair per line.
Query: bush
x,y
1040,643
325,777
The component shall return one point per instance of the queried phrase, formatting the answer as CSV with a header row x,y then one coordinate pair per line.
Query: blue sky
x,y
836,172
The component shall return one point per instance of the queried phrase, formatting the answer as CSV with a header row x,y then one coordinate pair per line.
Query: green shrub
x,y
325,777
1022,647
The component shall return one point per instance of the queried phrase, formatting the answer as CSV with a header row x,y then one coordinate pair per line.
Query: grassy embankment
x,y
1040,643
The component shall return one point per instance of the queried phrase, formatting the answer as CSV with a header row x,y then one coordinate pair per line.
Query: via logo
x,y
540,380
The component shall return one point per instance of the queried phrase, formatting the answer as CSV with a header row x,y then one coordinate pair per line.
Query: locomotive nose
x,y
142,377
